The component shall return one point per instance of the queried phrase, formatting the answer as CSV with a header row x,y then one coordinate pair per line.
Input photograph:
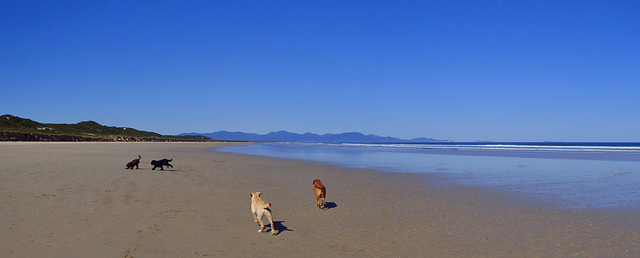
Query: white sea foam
x,y
506,147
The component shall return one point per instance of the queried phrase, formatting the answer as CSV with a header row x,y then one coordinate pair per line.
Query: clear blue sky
x,y
457,70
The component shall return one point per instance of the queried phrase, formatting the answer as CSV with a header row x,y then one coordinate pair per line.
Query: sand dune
x,y
77,200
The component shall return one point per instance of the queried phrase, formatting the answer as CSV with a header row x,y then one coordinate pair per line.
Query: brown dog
x,y
133,163
320,191
259,208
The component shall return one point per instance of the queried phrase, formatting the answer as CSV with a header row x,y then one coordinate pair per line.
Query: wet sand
x,y
78,200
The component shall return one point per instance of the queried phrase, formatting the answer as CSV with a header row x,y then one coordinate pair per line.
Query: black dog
x,y
160,163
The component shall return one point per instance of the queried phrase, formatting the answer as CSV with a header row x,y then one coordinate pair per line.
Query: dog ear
x,y
251,194
259,194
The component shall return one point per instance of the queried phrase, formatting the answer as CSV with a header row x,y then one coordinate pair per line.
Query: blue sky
x,y
457,70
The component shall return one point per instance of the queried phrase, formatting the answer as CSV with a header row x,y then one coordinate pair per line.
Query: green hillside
x,y
17,128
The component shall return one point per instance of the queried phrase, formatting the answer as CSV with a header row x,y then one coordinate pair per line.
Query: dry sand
x,y
77,200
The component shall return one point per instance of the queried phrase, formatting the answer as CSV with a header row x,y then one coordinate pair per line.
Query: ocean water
x,y
571,175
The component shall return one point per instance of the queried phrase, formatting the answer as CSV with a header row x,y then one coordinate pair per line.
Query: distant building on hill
x,y
46,129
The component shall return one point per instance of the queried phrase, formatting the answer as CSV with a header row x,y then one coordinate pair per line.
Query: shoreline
x,y
77,199
592,181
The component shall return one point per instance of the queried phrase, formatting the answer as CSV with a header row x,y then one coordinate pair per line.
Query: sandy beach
x,y
78,200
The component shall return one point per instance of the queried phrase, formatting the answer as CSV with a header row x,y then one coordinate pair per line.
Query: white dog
x,y
259,208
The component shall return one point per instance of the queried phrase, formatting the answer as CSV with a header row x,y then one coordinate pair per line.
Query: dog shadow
x,y
330,205
277,225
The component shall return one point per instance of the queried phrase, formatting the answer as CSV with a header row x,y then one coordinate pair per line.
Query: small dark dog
x,y
160,163
133,163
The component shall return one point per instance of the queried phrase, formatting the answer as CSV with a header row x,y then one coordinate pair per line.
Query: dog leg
x,y
273,228
261,225
317,201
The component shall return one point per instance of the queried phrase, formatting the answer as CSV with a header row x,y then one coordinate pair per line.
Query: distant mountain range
x,y
13,128
284,136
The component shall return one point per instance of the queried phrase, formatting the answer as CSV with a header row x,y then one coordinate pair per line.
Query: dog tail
x,y
267,206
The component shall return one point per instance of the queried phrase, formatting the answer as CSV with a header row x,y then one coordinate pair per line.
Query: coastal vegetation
x,y
13,128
